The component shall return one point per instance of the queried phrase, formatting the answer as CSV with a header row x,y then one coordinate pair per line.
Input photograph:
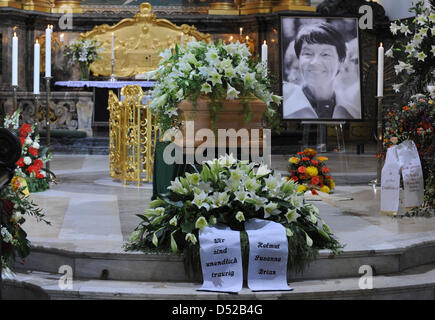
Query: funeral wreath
x,y
230,192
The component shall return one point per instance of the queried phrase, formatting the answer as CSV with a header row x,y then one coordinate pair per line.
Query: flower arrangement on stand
x,y
230,192
310,173
15,204
30,166
85,52
415,121
216,71
414,51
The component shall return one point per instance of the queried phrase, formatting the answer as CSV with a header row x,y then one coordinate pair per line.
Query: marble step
x,y
413,283
135,266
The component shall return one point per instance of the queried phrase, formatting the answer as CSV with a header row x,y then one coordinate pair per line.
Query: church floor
x,y
90,212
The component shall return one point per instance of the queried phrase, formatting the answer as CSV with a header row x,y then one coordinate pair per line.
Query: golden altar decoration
x,y
138,41
133,136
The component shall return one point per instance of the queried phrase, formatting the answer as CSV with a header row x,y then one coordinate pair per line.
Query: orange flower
x,y
310,152
315,162
315,180
302,169
305,159
405,108
325,170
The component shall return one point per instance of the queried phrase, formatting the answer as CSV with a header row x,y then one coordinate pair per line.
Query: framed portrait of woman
x,y
321,74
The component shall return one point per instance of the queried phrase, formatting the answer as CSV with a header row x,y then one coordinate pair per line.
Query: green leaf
x,y
187,226
174,246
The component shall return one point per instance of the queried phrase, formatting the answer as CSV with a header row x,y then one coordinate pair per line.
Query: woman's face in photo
x,y
318,63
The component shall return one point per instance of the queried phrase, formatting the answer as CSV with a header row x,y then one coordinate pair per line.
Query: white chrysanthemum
x,y
36,145
28,141
27,161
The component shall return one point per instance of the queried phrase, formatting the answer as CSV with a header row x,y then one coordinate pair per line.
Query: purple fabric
x,y
104,84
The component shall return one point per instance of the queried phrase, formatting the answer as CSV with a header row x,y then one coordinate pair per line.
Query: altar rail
x,y
133,135
68,110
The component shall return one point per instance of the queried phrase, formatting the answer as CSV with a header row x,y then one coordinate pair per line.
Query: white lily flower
x,y
239,216
257,201
394,28
215,77
396,87
232,93
404,29
191,238
241,196
227,160
292,215
421,19
271,209
173,221
421,56
389,53
200,200
252,185
205,88
262,171
201,223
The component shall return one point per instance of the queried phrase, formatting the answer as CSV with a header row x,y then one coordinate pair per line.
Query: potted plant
x,y
206,80
84,52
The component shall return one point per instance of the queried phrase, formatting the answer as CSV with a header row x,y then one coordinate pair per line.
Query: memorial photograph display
x,y
320,68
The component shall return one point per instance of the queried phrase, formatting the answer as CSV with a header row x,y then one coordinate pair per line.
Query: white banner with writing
x,y
412,173
268,253
390,183
221,259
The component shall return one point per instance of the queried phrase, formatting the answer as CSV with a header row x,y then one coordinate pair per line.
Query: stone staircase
x,y
406,272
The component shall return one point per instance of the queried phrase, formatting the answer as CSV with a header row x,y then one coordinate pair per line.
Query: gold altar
x,y
133,136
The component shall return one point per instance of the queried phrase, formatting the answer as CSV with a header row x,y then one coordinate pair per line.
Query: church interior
x,y
89,90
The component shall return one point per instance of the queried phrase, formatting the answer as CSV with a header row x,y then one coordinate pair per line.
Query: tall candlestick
x,y
264,53
381,71
48,32
15,60
36,66
113,47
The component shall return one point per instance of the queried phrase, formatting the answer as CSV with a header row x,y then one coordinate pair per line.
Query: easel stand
x,y
321,134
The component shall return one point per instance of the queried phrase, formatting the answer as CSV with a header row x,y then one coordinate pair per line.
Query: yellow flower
x,y
331,184
18,183
302,188
312,171
325,189
294,160
321,159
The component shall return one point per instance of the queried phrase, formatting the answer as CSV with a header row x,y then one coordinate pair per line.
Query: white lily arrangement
x,y
218,71
230,192
414,51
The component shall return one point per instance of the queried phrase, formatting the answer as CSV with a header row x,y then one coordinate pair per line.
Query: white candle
x,y
36,67
241,30
231,39
381,71
61,37
264,52
15,60
113,46
48,32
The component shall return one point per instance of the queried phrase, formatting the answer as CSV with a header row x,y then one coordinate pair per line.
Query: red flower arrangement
x,y
310,173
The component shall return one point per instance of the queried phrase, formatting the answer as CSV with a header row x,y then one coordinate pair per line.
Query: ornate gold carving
x,y
256,6
137,42
70,6
133,136
297,5
37,5
224,8
10,3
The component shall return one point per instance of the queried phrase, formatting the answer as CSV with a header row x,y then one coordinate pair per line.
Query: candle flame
x,y
381,44
264,42
231,38
37,41
247,38
15,34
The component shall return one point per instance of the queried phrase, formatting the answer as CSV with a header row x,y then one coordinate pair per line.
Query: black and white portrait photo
x,y
321,68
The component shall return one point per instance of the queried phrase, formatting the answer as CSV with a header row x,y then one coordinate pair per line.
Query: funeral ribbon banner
x,y
221,259
268,253
390,183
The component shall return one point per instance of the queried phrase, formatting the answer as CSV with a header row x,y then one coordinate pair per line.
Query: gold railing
x,y
133,137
